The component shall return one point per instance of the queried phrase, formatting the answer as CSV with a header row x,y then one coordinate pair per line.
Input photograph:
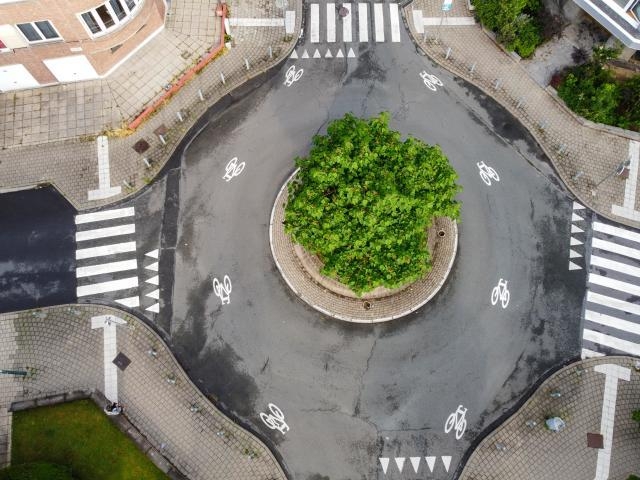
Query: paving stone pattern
x,y
540,454
571,146
23,164
63,354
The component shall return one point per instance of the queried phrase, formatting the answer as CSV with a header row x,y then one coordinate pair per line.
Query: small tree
x,y
363,200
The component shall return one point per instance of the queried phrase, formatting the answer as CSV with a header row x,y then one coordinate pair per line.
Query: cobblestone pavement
x,y
520,451
64,354
584,154
67,118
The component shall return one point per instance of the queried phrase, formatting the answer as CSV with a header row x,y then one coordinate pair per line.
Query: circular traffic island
x,y
365,229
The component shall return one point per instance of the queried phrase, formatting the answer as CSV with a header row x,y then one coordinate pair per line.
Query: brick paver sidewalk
x,y
589,401
583,154
48,135
64,354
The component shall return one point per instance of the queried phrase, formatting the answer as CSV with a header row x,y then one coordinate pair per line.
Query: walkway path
x,y
584,154
48,135
62,348
594,396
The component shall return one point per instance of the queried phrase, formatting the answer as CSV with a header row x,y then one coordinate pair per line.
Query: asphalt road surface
x,y
37,267
350,394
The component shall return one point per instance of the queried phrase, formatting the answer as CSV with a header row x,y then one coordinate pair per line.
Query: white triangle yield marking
x,y
575,229
577,206
328,54
447,462
155,308
574,254
316,54
415,462
385,464
152,254
431,462
400,463
153,280
294,55
129,302
339,54
305,54
155,294
153,266
576,218
574,242
573,266
351,54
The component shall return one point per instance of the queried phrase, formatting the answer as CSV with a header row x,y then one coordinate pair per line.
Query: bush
x,y
363,200
636,416
36,471
527,37
591,91
514,22
633,477
579,55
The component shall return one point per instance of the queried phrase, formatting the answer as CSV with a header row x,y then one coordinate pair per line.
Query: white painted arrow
x,y
110,350
431,462
385,464
153,266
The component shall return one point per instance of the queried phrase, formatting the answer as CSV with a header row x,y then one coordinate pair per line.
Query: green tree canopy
x,y
363,200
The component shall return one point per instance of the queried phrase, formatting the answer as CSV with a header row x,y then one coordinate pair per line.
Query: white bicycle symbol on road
x,y
293,75
275,420
233,169
487,173
223,290
500,292
430,80
458,421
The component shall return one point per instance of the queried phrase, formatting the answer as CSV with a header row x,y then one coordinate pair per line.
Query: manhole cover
x,y
121,361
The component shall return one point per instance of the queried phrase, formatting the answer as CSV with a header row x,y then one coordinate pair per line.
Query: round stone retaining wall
x,y
301,272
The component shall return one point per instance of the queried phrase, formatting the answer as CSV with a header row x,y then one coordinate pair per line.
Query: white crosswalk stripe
x,y
106,260
612,311
324,22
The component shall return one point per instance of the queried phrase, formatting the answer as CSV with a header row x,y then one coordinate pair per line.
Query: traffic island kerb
x,y
301,271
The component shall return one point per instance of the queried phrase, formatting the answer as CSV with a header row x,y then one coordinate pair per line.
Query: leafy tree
x,y
629,104
363,200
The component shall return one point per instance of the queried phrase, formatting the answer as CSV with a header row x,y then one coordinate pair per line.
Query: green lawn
x,y
79,435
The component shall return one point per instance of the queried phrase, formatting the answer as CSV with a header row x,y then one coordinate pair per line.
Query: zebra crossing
x,y
107,261
612,305
349,22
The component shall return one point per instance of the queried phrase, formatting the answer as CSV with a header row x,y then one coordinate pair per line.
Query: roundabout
x,y
350,394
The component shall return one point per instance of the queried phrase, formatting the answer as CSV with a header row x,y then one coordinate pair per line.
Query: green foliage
x,y
636,416
363,199
514,22
633,477
36,471
591,91
79,434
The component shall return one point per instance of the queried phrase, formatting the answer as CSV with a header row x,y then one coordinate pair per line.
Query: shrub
x,y
579,55
363,200
513,21
527,37
636,416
